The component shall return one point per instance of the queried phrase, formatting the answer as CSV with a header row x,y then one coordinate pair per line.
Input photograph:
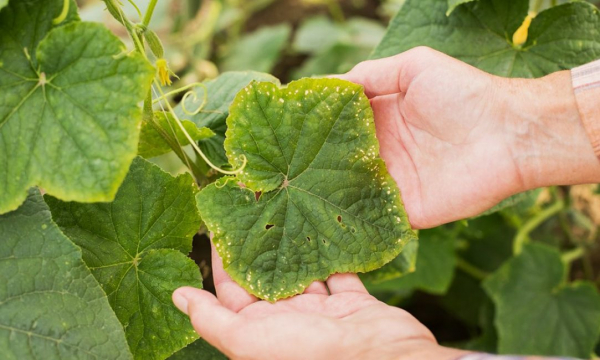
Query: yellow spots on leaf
x,y
163,72
520,36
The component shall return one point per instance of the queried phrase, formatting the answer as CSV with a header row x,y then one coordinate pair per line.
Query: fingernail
x,y
181,302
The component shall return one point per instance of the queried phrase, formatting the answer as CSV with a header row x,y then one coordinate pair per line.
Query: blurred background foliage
x,y
299,38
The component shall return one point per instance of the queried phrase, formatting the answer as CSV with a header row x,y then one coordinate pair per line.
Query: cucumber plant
x,y
289,179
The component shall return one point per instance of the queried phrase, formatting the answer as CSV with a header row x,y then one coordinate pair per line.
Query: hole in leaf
x,y
339,219
323,241
257,195
353,229
268,226
308,238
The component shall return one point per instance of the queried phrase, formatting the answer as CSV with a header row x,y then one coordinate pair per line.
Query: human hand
x,y
458,140
348,324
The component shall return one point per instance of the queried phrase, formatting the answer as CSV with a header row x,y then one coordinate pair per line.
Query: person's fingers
x,y
231,295
317,287
393,74
339,283
210,318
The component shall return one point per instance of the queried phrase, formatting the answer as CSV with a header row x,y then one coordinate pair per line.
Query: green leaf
x,y
452,4
435,264
465,299
258,51
3,3
51,307
480,33
220,94
537,312
336,47
317,34
71,125
198,350
136,247
328,203
488,242
403,265
338,59
153,144
525,199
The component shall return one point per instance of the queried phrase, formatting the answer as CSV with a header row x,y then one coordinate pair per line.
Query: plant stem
x,y
523,234
149,12
336,11
471,269
63,14
572,255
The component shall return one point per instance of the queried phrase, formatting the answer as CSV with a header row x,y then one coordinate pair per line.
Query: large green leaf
x,y
258,51
452,4
434,267
51,307
537,312
402,265
69,117
480,33
220,94
153,144
198,350
136,247
327,202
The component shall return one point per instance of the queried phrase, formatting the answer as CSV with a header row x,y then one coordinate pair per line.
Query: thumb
x,y
209,317
392,75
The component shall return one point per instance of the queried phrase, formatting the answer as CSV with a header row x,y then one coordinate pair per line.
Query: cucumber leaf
x,y
220,93
480,33
198,350
136,247
51,307
316,197
538,312
259,50
452,4
404,264
153,144
434,268
69,114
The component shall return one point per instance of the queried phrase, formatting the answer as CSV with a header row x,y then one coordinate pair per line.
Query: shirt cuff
x,y
586,84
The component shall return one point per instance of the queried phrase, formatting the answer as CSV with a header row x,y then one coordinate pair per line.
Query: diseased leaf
x,y
532,298
136,247
69,116
153,144
258,51
480,33
198,350
327,203
220,94
434,268
51,307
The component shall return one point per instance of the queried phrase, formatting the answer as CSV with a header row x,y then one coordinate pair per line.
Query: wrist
x,y
545,135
